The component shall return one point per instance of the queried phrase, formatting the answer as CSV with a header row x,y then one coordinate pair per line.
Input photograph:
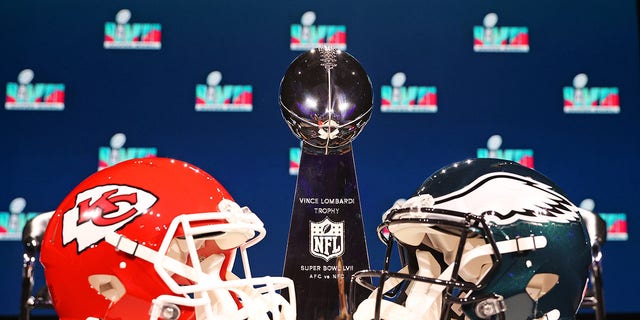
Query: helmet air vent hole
x,y
109,286
540,284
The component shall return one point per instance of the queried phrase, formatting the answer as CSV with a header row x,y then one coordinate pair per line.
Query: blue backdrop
x,y
149,95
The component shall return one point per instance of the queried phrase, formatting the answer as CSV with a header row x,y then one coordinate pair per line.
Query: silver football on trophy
x,y
326,98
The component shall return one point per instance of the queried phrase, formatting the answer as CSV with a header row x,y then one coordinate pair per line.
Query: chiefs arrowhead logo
x,y
101,210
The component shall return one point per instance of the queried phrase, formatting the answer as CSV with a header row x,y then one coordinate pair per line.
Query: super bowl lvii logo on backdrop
x,y
215,97
12,222
115,153
616,226
124,35
398,98
295,154
521,156
581,99
24,95
616,222
306,36
490,38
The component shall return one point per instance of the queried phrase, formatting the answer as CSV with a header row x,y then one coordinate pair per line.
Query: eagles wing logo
x,y
511,197
101,210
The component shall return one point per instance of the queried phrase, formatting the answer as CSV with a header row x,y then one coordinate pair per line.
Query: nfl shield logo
x,y
326,239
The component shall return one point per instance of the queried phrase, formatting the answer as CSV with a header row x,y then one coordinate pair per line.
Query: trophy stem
x,y
326,242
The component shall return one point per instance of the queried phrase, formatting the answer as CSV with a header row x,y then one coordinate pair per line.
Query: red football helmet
x,y
156,238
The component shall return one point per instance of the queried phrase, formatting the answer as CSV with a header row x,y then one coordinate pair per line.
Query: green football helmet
x,y
480,239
